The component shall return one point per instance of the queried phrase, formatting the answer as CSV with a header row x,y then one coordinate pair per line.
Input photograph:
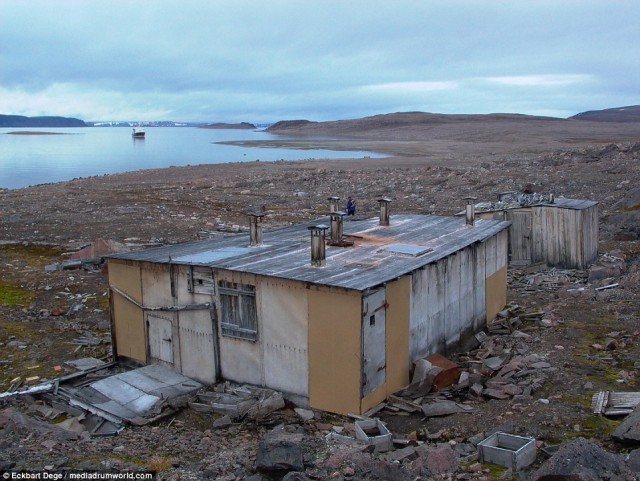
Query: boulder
x,y
295,476
629,429
435,461
11,420
280,451
633,461
583,460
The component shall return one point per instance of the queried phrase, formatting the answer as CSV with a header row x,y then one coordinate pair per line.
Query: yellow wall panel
x,y
128,318
129,329
126,277
496,292
373,399
398,313
335,347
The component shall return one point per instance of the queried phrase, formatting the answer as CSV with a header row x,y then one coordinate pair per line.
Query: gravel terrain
x,y
589,338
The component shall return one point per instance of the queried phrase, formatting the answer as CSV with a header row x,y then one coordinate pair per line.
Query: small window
x,y
201,280
238,310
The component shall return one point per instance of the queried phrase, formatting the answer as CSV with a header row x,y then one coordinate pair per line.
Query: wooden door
x,y
374,341
520,238
160,328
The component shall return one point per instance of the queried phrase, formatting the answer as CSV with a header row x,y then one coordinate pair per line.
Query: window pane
x,y
238,310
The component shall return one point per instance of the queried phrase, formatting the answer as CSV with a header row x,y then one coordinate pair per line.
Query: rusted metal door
x,y
160,330
374,349
520,237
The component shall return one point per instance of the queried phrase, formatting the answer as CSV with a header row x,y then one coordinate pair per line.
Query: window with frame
x,y
239,316
200,280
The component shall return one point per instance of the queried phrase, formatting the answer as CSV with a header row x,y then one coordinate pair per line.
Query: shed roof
x,y
379,254
510,204
575,204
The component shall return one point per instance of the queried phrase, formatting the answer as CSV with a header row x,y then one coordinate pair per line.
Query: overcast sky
x,y
268,60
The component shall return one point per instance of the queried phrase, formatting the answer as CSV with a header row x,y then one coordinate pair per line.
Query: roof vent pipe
x,y
337,224
471,210
255,229
318,255
334,203
384,210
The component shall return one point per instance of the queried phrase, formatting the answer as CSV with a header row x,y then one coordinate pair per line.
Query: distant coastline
x,y
240,126
33,132
48,121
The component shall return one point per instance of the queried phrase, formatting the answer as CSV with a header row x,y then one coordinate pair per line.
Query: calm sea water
x,y
83,152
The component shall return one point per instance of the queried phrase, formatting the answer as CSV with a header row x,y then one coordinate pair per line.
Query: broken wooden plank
x,y
610,403
404,404
444,408
375,409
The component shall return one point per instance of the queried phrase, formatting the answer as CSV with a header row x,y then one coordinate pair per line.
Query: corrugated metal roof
x,y
286,252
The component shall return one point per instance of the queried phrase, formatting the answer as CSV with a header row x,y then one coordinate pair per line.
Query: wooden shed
x,y
559,232
333,318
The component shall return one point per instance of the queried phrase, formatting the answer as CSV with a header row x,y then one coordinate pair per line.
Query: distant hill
x,y
618,114
145,123
21,121
220,125
398,121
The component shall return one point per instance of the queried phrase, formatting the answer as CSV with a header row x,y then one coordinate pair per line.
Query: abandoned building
x,y
331,315
558,232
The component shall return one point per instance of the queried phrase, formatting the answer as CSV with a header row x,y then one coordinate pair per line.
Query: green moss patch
x,y
12,295
596,427
34,255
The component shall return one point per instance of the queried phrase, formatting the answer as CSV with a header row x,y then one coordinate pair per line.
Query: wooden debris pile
x,y
502,367
508,321
238,403
523,280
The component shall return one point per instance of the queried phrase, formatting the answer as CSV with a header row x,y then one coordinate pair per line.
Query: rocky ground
x,y
588,338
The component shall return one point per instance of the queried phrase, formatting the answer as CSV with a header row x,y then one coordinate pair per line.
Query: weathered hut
x,y
333,322
559,232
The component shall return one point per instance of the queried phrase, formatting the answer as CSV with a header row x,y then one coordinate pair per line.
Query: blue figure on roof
x,y
351,206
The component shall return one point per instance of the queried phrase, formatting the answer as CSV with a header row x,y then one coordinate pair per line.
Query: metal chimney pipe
x,y
334,203
255,229
384,210
471,210
337,225
318,255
